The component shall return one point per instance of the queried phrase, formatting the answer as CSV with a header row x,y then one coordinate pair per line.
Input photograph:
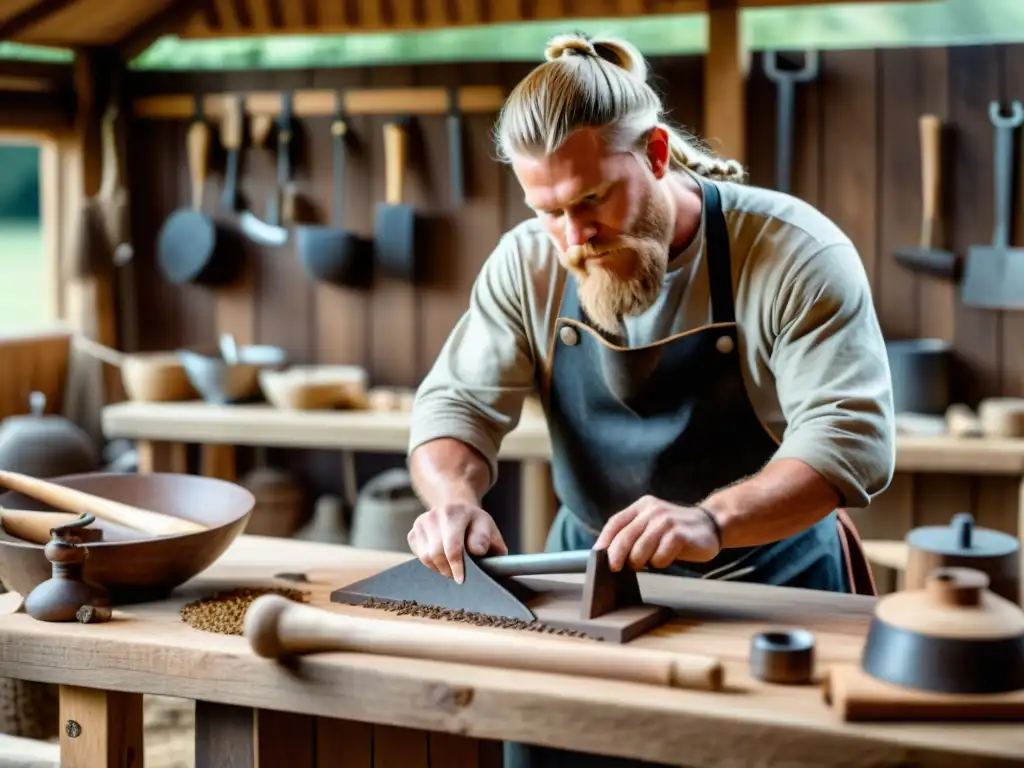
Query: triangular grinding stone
x,y
411,580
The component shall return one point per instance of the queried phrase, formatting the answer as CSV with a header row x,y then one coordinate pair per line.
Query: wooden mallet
x,y
276,627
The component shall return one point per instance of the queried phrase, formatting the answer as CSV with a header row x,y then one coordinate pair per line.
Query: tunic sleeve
x,y
832,375
475,390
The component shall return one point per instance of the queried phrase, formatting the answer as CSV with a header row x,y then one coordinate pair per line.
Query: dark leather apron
x,y
671,419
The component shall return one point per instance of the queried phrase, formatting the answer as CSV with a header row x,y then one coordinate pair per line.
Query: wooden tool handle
x,y
857,697
99,351
31,525
930,129
259,129
198,148
395,149
231,130
276,627
76,501
289,201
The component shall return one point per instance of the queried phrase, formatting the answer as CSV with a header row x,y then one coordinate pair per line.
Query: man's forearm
x,y
448,471
782,499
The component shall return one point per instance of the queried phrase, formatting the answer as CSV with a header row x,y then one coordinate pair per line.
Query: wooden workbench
x,y
164,429
411,709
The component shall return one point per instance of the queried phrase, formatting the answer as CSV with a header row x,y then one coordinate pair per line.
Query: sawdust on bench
x,y
224,612
412,608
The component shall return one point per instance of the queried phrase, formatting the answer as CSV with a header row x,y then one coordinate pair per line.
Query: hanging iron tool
x,y
281,203
454,122
785,81
994,274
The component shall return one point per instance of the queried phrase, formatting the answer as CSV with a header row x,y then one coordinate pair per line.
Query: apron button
x,y
724,344
568,335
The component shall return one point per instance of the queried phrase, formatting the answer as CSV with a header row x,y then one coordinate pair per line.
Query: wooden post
x,y
90,299
100,729
725,94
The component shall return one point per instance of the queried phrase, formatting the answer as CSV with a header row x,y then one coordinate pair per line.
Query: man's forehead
x,y
577,169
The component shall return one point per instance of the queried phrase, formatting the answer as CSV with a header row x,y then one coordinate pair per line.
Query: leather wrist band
x,y
714,524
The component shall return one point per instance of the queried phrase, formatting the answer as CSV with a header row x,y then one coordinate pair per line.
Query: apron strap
x,y
858,569
718,257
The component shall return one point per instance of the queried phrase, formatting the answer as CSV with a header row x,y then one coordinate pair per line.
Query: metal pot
x,y
921,370
45,445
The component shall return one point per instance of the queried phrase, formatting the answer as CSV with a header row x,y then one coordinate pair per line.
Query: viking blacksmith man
x,y
711,366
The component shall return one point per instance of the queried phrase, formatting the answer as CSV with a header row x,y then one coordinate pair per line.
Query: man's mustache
x,y
577,254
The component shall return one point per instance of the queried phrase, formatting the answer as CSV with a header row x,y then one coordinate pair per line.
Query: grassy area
x,y
24,298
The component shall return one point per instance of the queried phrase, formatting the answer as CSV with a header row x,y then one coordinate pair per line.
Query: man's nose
x,y
579,232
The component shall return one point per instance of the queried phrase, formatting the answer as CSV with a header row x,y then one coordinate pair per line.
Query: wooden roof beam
x,y
30,17
168,21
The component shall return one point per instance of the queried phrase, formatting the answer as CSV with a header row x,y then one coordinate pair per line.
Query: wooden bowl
x,y
315,387
155,377
147,568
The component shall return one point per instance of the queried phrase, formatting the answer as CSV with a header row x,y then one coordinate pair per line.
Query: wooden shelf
x,y
196,422
322,103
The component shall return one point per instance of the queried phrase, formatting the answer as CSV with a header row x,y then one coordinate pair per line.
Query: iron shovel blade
x,y
993,278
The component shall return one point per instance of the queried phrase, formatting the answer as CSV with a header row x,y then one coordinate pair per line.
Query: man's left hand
x,y
652,531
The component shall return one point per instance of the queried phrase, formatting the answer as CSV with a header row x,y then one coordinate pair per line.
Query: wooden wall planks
x,y
857,157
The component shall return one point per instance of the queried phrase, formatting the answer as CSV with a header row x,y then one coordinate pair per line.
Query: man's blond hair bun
x,y
596,82
614,51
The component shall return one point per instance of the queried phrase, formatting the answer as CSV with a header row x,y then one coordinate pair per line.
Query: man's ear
x,y
659,151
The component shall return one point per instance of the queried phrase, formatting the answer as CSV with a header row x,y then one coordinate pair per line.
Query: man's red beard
x,y
623,276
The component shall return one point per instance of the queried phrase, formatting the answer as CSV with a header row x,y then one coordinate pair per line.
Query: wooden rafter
x,y
169,20
30,17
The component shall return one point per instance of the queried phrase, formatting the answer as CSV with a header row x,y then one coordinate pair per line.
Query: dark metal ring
x,y
783,656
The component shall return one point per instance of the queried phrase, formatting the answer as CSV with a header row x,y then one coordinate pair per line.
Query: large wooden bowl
x,y
147,568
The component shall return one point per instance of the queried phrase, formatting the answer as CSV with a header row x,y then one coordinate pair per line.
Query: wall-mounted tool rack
x,y
419,101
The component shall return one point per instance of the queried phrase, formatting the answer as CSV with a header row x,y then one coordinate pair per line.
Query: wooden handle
x,y
32,525
930,129
857,697
395,148
289,199
276,627
198,148
99,351
231,130
72,500
259,129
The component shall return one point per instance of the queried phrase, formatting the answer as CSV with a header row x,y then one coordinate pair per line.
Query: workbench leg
x,y
246,738
1020,532
218,461
100,729
159,456
537,504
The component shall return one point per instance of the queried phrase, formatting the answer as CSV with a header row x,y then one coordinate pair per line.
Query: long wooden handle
x,y
232,129
857,697
76,501
395,149
34,525
198,148
99,351
31,525
931,179
276,627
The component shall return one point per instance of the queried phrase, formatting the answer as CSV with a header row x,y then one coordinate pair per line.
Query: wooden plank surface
x,y
384,431
148,649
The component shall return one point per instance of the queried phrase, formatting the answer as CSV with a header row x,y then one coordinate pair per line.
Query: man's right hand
x,y
439,536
